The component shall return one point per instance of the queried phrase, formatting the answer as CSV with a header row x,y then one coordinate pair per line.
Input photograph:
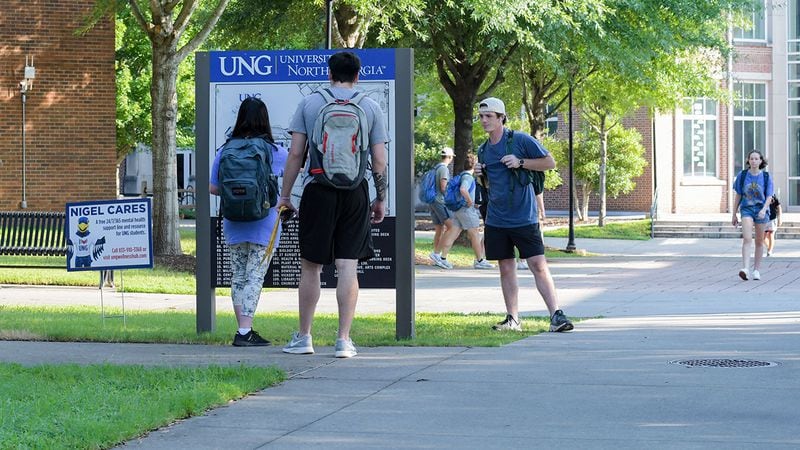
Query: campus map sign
x,y
282,79
114,234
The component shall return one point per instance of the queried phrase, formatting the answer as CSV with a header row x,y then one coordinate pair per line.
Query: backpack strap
x,y
481,149
327,94
742,174
510,142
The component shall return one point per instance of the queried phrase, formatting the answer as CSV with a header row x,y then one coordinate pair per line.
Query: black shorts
x,y
335,224
500,242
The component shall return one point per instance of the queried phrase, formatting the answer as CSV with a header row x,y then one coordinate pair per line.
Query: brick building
x,y
639,200
699,148
70,142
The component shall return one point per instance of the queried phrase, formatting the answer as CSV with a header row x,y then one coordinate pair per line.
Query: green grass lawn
x,y
99,406
86,324
633,230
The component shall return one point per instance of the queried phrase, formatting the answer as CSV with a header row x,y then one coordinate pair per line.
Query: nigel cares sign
x,y
114,234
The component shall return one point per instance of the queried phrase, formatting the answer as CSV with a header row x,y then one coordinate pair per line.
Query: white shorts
x,y
467,218
772,225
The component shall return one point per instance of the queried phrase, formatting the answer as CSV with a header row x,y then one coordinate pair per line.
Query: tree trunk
x,y
533,98
349,30
163,93
576,203
462,126
586,192
601,218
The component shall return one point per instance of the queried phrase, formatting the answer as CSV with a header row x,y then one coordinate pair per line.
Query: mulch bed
x,y
179,263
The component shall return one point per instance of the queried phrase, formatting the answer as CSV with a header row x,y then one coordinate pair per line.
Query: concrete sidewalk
x,y
614,382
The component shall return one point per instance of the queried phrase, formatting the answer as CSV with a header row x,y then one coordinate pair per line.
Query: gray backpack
x,y
339,144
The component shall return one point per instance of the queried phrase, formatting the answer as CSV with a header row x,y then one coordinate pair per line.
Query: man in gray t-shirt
x,y
440,215
335,224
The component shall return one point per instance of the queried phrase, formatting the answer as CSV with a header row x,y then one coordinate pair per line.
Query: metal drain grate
x,y
725,363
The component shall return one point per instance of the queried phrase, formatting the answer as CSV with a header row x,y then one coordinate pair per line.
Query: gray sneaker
x,y
299,345
559,322
439,262
482,264
345,349
510,323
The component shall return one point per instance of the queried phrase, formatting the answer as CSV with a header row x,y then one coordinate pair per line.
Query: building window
x,y
700,137
757,30
793,68
551,122
749,121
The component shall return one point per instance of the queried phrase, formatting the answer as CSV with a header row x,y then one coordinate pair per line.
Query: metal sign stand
x,y
108,276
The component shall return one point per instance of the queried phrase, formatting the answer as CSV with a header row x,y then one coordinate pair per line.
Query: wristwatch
x,y
521,162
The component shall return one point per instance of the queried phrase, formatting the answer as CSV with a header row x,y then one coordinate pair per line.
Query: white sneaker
x,y
439,262
345,349
435,258
756,275
769,253
508,324
522,265
299,345
743,274
482,264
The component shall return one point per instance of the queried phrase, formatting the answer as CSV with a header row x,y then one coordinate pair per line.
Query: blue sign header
x,y
294,65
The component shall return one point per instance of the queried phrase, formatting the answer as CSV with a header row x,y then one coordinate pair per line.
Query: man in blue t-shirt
x,y
512,215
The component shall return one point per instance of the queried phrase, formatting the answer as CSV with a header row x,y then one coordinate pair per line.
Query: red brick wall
x,y
752,58
70,132
639,200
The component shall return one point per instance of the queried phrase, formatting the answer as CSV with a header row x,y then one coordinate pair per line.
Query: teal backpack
x,y
247,186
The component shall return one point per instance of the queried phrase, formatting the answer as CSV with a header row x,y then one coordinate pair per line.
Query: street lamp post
x,y
329,24
571,240
24,86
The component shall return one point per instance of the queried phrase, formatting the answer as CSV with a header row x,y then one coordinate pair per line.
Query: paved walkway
x,y
612,383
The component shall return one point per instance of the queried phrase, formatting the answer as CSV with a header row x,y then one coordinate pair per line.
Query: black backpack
x,y
248,188
773,207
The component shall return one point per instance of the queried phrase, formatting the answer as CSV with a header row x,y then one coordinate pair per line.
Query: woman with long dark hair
x,y
248,240
753,189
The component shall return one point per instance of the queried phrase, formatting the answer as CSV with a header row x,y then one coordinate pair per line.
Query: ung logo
x,y
240,65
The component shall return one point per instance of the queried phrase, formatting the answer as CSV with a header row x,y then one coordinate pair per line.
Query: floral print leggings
x,y
248,275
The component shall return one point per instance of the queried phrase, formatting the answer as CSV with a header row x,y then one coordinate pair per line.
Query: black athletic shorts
x,y
500,242
335,224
